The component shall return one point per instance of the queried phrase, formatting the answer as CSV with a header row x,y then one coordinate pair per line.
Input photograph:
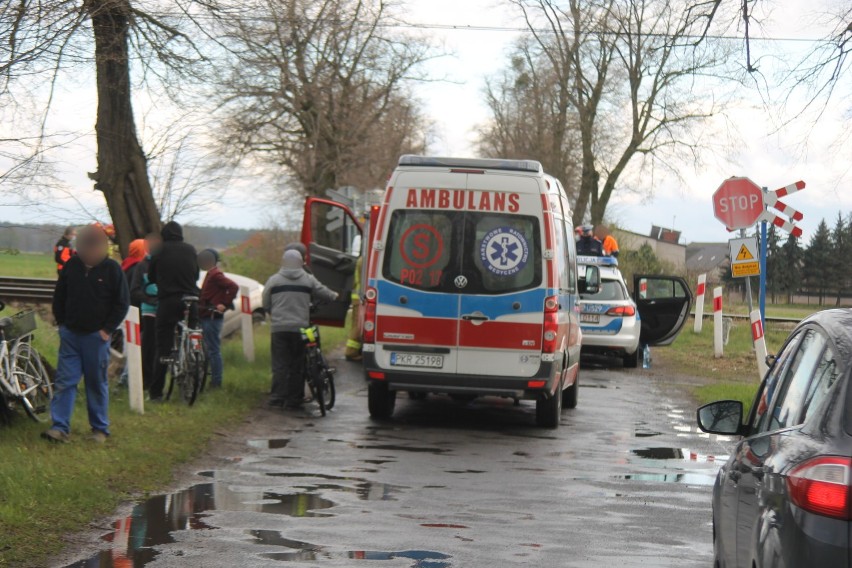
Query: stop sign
x,y
738,203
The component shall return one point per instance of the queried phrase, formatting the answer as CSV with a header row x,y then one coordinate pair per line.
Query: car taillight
x,y
369,335
621,311
821,485
551,324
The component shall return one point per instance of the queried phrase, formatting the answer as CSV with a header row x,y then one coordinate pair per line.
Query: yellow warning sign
x,y
745,254
743,269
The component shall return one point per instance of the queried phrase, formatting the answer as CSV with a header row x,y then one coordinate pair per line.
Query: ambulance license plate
x,y
416,360
590,318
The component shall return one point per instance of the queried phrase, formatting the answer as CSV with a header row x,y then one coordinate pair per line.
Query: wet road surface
x,y
625,481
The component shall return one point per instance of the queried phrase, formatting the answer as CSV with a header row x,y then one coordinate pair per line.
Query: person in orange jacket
x,y
609,244
63,250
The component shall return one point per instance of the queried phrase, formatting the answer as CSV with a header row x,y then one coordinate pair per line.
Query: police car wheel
x,y
380,400
631,360
548,410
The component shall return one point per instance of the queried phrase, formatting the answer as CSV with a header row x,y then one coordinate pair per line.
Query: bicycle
x,y
318,375
188,365
23,377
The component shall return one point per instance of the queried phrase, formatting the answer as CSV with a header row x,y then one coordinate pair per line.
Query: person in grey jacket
x,y
287,299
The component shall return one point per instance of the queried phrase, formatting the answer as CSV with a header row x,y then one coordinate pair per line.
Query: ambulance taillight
x,y
369,335
551,324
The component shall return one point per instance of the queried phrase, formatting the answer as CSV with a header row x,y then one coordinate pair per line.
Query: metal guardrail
x,y
32,290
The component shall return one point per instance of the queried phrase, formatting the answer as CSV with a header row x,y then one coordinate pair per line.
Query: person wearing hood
x,y
143,293
136,253
174,269
287,299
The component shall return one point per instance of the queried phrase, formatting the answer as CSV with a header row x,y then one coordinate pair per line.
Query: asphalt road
x,y
625,481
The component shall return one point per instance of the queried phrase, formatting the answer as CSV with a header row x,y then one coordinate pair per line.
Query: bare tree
x,y
319,88
532,116
44,38
629,69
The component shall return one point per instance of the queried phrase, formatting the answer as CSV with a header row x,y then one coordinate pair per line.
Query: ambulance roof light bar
x,y
598,260
483,163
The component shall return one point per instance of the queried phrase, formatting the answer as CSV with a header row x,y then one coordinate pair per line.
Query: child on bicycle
x,y
287,299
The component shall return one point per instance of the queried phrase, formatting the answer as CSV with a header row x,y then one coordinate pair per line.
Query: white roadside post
x,y
759,343
718,331
699,303
246,321
133,354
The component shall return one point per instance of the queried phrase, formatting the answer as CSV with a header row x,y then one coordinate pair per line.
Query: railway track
x,y
30,290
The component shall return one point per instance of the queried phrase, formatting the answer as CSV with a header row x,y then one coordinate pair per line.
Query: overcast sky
x,y
770,156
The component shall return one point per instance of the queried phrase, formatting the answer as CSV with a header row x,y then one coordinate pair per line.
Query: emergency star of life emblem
x,y
504,251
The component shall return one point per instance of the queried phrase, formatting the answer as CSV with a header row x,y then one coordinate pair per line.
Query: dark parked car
x,y
783,497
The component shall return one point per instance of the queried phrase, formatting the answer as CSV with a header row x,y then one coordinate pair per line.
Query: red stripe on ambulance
x,y
500,335
417,330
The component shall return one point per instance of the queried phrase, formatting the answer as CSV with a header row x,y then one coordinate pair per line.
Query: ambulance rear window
x,y
463,252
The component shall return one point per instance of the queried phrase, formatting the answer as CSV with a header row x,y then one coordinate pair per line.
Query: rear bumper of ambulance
x,y
544,381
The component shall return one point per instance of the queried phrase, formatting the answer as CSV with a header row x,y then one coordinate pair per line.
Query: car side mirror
x,y
724,417
770,360
591,284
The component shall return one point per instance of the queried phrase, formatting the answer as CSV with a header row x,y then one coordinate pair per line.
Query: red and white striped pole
x,y
247,325
759,343
699,303
133,355
718,332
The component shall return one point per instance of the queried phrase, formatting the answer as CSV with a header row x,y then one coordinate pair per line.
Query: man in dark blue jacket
x,y
90,302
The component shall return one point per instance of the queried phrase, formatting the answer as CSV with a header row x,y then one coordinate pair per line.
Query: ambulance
x,y
469,283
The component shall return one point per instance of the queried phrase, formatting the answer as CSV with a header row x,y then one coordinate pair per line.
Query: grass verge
x,y
732,377
47,491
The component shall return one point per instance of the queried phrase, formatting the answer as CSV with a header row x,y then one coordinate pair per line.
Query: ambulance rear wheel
x,y
380,400
548,410
569,395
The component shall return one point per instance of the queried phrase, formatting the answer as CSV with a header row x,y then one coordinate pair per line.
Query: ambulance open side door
x,y
332,235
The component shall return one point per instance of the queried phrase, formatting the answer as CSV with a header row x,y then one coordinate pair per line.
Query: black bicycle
x,y
318,375
189,362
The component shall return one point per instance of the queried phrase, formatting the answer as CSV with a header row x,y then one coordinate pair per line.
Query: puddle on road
x,y
152,522
684,454
395,448
682,478
312,552
273,444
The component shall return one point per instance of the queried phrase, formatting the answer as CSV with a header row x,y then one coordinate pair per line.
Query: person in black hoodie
x,y
174,269
90,302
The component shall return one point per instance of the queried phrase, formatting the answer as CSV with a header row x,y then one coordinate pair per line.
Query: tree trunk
x,y
122,173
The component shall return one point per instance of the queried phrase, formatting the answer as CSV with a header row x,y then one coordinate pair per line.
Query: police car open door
x,y
664,304
332,236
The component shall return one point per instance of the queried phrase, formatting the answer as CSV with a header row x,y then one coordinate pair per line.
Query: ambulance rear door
x,y
500,276
417,308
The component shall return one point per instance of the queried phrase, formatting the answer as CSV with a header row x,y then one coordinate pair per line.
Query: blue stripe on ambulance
x,y
429,304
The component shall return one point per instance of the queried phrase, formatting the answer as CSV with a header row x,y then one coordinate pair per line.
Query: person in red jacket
x,y
64,248
217,295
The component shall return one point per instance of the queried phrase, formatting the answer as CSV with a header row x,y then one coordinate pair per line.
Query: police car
x,y
615,324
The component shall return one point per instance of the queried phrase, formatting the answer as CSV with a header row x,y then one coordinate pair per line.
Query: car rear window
x,y
610,291
493,253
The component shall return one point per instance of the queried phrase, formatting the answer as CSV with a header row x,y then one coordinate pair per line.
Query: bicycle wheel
x,y
326,385
206,368
33,381
320,395
192,377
